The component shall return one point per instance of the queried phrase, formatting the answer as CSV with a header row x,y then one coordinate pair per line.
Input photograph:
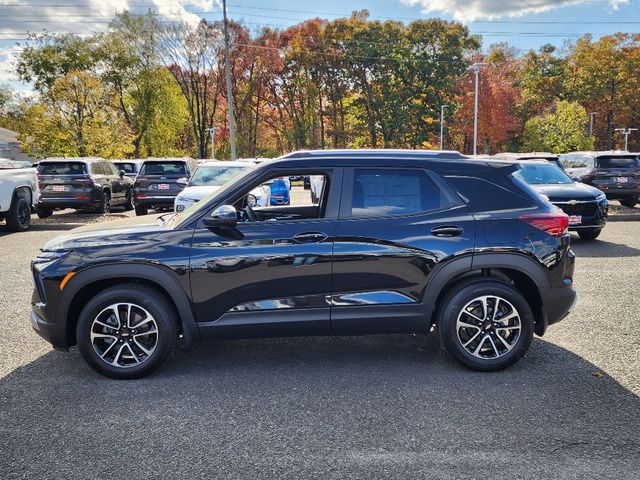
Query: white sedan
x,y
209,177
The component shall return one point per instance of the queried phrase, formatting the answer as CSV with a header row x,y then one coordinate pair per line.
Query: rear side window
x,y
163,168
382,192
96,169
62,168
617,162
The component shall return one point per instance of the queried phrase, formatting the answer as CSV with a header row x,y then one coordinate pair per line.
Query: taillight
x,y
553,223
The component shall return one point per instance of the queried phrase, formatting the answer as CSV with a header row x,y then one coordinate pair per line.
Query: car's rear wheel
x,y
629,202
589,233
126,331
141,210
19,215
485,325
43,212
128,203
105,204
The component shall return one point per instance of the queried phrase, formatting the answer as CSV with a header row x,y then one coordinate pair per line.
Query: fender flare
x,y
144,271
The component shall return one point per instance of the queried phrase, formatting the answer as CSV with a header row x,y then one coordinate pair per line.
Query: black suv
x,y
160,180
83,183
586,206
399,242
617,174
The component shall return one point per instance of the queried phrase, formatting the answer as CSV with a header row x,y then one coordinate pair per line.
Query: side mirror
x,y
182,181
223,216
577,179
121,173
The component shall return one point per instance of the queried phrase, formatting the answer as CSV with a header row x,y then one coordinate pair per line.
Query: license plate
x,y
163,186
59,188
575,219
622,179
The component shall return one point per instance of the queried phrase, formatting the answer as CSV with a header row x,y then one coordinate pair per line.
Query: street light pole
x,y
475,68
591,115
626,132
212,132
442,107
227,64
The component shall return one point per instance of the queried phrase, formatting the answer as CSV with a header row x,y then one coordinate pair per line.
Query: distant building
x,y
10,146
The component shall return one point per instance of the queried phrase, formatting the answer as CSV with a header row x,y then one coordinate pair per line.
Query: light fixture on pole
x,y
212,131
591,115
442,107
626,132
475,68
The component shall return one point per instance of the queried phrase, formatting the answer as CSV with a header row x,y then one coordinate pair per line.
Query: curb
x,y
623,218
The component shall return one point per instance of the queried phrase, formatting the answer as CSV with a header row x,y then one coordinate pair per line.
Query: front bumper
x,y
51,332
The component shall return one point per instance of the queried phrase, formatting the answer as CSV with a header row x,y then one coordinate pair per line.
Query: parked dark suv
x,y
617,174
400,242
83,183
157,183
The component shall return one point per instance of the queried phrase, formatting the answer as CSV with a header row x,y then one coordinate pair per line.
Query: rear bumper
x,y
154,200
67,202
618,192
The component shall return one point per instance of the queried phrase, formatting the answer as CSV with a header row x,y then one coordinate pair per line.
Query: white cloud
x,y
88,16
468,10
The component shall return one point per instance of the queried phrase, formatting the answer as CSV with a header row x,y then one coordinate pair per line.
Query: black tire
x,y
629,202
128,203
141,210
454,303
146,298
105,204
43,212
19,216
589,233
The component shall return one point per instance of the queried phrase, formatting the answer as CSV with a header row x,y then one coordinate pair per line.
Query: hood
x,y
199,192
570,191
118,232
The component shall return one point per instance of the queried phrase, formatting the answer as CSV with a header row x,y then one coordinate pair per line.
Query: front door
x,y
271,274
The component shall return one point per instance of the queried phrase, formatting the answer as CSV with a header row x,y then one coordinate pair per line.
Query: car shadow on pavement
x,y
601,248
377,406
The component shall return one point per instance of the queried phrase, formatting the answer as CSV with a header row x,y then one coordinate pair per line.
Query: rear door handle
x,y
310,237
447,231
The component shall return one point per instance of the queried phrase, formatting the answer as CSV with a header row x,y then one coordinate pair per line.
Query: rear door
x,y
395,226
117,184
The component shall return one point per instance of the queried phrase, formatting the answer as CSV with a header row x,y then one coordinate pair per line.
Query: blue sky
x,y
524,24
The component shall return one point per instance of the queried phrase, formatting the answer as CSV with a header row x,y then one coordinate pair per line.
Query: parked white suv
x,y
18,194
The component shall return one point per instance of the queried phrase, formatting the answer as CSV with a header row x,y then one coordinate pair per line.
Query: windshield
x,y
163,168
194,209
215,175
61,168
618,162
542,174
126,167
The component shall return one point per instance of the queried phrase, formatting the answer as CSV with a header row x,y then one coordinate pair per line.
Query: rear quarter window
x,y
483,195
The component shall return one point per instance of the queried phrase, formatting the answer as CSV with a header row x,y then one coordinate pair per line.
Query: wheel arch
x,y
24,190
89,281
524,273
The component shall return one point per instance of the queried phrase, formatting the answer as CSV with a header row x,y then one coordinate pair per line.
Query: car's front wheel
x,y
485,325
126,331
589,233
105,204
128,203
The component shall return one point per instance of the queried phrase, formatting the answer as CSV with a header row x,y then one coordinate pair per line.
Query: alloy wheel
x,y
24,214
124,335
488,327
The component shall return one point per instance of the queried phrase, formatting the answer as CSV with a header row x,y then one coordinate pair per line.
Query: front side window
x,y
126,167
383,192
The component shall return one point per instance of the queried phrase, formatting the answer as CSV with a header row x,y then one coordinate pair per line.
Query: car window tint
x,y
126,167
61,168
394,192
576,162
163,168
618,162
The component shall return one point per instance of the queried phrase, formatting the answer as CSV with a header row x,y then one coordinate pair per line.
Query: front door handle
x,y
447,231
310,237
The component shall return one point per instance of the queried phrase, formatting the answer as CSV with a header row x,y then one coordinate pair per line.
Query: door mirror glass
x,y
182,181
223,216
121,173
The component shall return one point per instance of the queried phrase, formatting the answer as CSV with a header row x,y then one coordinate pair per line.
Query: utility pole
x,y
475,68
442,107
591,115
227,64
626,132
212,132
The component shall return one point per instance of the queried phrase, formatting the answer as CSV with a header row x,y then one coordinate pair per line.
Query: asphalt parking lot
x,y
365,407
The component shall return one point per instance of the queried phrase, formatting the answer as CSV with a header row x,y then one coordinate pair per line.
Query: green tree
x,y
560,131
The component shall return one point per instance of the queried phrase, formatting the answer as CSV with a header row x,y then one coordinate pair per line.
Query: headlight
x,y
46,257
